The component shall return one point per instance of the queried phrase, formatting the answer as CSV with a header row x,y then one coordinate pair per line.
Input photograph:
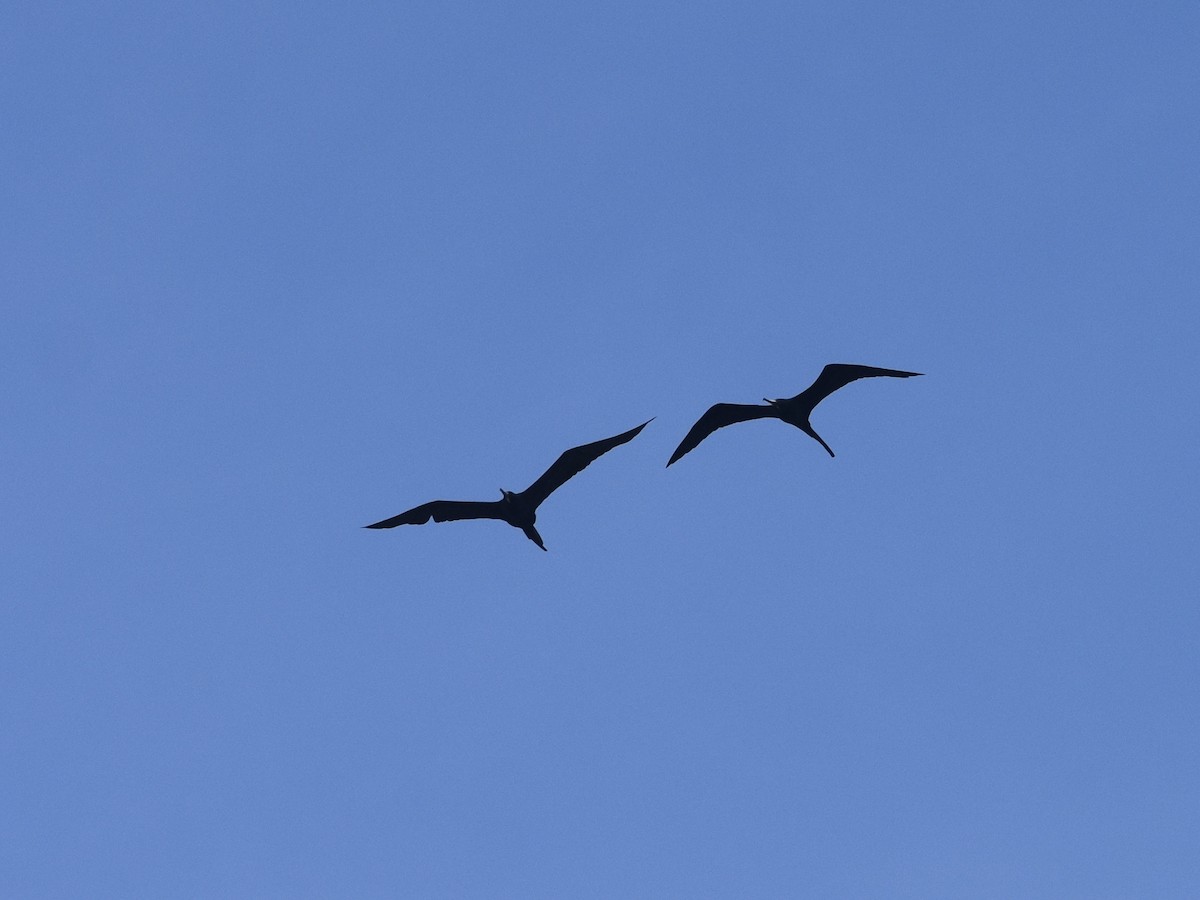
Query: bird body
x,y
517,508
522,513
793,410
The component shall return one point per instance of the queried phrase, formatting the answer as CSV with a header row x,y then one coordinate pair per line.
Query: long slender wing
x,y
444,511
574,461
838,375
719,416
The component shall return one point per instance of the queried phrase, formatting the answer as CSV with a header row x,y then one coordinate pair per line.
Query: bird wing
x,y
445,511
574,461
718,416
838,375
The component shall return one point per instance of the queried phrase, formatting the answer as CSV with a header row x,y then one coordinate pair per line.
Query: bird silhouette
x,y
793,410
518,509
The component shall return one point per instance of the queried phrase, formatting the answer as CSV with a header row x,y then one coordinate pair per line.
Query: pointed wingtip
x,y
626,436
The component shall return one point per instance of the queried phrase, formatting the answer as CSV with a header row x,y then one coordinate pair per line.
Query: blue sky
x,y
272,272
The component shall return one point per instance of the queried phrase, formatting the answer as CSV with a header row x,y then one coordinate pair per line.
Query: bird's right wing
x,y
445,511
837,375
574,461
719,416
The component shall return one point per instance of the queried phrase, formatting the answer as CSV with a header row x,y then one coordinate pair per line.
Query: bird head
x,y
508,495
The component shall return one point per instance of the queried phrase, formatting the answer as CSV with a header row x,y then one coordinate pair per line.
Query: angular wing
x,y
574,461
444,511
838,375
719,416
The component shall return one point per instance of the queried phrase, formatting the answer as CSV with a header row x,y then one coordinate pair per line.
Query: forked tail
x,y
816,437
532,534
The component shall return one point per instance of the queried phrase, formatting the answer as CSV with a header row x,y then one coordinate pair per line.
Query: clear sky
x,y
270,272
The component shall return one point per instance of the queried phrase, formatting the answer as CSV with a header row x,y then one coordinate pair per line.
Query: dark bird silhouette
x,y
793,410
517,509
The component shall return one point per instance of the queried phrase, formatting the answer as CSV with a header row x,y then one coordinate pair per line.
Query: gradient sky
x,y
274,271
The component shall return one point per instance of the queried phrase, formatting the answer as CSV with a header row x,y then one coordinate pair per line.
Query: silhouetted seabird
x,y
517,509
793,410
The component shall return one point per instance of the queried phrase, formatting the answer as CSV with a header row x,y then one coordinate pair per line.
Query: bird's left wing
x,y
718,416
444,511
574,461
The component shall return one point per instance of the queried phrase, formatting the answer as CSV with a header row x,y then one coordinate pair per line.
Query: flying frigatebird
x,y
793,410
518,509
